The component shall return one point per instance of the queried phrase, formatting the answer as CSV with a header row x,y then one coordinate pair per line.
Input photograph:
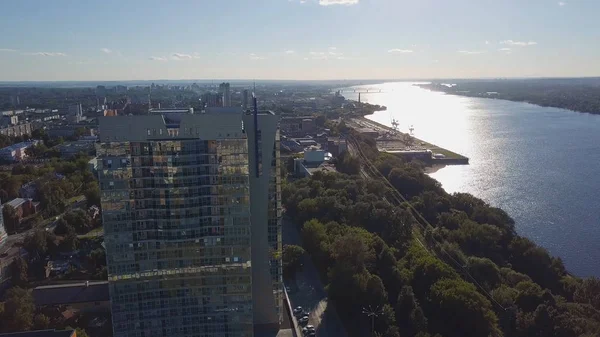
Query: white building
x,y
16,152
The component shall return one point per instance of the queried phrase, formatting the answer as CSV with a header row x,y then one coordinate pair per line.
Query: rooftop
x,y
41,333
19,146
71,293
17,202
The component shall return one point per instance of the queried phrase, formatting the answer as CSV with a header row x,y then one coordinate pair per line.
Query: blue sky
x,y
297,39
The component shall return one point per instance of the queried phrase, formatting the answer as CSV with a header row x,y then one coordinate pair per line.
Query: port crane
x,y
395,124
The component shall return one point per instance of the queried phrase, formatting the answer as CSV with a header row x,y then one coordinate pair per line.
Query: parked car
x,y
298,310
303,320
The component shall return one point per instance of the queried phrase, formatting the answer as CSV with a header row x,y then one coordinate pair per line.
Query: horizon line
x,y
312,80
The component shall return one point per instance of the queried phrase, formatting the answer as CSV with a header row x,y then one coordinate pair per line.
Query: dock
x,y
405,145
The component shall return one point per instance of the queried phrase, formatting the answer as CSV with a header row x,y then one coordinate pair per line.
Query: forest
x,y
467,274
573,94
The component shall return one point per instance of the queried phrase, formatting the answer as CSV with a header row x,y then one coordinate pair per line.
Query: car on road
x,y
303,320
309,330
298,310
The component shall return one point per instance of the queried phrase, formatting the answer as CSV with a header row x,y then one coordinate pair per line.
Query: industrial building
x,y
191,207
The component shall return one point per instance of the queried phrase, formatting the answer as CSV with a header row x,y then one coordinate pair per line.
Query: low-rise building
x,y
16,152
23,207
314,160
336,146
42,333
9,120
17,130
71,149
368,132
93,164
82,297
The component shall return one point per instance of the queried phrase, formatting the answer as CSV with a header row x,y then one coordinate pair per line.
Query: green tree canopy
x,y
18,310
292,259
458,310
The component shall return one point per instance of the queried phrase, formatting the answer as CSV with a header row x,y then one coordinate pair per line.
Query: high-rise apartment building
x,y
225,91
191,209
245,99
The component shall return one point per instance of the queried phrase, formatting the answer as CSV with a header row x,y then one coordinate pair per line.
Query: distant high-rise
x,y
75,114
245,99
212,99
225,91
191,207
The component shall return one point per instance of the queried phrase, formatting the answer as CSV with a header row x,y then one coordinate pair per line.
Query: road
x,y
308,292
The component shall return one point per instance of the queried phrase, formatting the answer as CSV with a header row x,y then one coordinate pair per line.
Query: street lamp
x,y
370,312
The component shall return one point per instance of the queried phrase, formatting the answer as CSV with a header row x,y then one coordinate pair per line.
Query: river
x,y
541,165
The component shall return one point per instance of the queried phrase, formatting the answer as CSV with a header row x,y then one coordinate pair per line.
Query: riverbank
x,y
543,93
394,141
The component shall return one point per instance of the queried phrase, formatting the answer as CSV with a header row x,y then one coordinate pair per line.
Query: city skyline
x,y
297,39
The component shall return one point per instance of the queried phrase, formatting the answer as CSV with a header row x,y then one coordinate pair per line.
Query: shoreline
x,y
480,95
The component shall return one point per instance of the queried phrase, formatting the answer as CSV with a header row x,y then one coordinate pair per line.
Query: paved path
x,y
308,292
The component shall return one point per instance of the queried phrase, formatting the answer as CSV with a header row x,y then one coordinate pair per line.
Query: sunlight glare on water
x,y
525,159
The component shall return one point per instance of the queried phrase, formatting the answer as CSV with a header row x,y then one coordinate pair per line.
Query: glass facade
x,y
274,228
177,233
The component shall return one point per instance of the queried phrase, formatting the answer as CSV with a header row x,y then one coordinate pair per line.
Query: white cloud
x,y
179,56
196,55
337,2
106,50
157,58
504,49
562,3
332,48
518,43
45,53
7,50
318,55
256,57
470,52
289,52
487,42
400,51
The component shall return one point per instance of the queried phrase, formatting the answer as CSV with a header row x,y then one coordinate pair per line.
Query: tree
x,y
459,310
346,163
18,310
292,259
37,243
70,242
11,218
41,322
589,292
409,315
313,237
98,257
484,271
78,219
81,332
19,271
